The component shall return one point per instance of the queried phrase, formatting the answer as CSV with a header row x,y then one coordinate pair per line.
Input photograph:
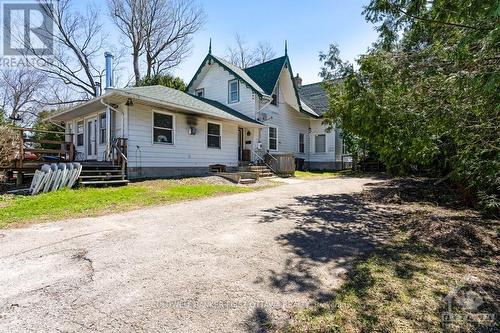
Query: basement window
x,y
163,128
213,135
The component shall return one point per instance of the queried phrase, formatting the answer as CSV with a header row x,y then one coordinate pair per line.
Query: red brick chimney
x,y
298,80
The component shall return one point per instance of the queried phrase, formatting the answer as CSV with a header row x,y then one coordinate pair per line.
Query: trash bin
x,y
299,164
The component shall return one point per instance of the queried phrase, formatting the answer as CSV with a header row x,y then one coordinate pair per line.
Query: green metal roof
x,y
267,74
261,78
235,70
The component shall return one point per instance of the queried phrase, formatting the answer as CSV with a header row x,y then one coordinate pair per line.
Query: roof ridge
x,y
263,63
311,84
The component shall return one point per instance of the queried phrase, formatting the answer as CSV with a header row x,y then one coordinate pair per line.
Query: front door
x,y
91,142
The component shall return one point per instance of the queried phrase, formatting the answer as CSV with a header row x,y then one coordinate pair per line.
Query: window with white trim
x,y
301,143
273,138
234,91
102,128
213,135
163,128
274,96
320,143
79,133
200,92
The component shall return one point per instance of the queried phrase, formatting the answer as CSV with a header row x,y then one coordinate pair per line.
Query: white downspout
x,y
108,125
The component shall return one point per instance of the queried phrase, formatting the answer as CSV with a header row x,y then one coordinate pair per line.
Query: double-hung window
x,y
163,128
234,91
213,135
301,143
320,143
102,128
274,100
79,133
273,138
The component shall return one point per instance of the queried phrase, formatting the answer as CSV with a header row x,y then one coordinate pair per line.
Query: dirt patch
x,y
437,217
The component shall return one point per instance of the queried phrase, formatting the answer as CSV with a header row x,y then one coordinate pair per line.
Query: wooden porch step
x,y
84,171
105,182
100,176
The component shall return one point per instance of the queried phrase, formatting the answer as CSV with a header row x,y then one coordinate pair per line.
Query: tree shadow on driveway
x,y
329,233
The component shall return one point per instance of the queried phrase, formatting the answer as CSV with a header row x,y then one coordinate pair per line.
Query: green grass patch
x,y
317,174
97,201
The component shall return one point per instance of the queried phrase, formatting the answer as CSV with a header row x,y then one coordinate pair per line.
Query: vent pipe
x,y
109,70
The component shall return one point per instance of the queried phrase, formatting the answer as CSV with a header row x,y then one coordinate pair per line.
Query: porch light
x,y
192,130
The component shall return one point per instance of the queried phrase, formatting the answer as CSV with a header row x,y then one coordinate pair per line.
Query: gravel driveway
x,y
226,264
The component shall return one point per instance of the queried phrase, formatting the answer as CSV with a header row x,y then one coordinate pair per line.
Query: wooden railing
x,y
282,164
28,144
119,146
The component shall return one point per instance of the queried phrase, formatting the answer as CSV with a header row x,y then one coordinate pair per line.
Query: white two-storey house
x,y
229,116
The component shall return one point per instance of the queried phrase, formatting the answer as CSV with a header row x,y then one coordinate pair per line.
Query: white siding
x,y
214,80
329,155
289,122
187,150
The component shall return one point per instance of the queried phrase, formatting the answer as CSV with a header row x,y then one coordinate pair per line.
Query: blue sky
x,y
308,25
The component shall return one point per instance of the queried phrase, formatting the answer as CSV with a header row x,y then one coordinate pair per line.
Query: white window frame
x,y
202,90
78,133
153,127
229,101
326,143
269,138
102,140
220,135
298,142
277,93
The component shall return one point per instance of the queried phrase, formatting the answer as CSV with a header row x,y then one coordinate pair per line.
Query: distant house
x,y
228,116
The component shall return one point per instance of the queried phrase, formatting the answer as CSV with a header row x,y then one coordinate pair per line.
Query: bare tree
x,y
19,92
243,56
263,52
240,54
160,31
78,42
129,17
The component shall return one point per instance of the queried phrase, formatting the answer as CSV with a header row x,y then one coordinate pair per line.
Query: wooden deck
x,y
33,153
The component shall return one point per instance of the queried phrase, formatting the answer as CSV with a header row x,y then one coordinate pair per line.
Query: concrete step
x,y
246,181
266,174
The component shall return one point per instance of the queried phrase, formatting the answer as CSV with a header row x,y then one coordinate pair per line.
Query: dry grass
x,y
435,249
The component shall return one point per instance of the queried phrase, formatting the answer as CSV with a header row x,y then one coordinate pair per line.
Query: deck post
x,y
21,148
19,179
